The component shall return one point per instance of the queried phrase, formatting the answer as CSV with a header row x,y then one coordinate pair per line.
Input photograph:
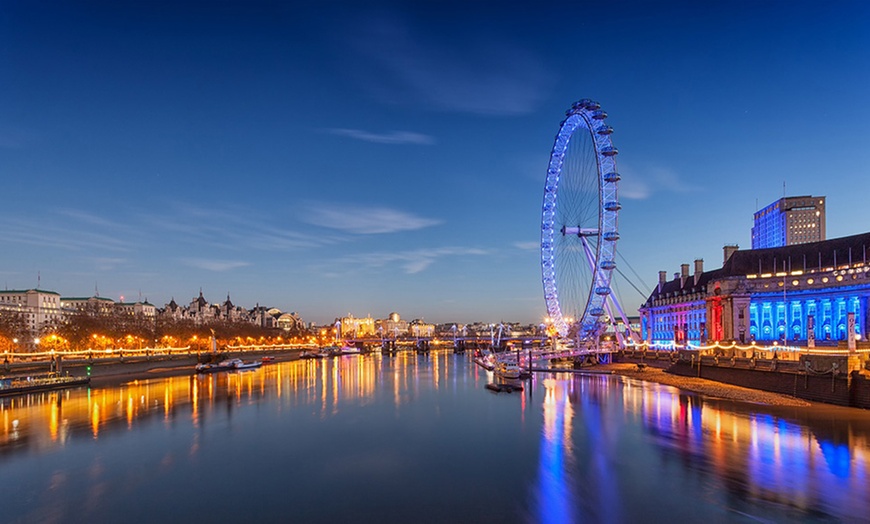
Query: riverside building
x,y
37,307
800,294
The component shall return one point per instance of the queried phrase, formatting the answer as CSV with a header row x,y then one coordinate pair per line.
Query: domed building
x,y
391,326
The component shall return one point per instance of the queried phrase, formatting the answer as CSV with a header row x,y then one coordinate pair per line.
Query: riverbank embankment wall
x,y
832,380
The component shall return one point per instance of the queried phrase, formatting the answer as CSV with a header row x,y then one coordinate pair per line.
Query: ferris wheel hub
x,y
580,231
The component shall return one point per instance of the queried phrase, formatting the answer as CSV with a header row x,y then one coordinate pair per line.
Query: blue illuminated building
x,y
787,294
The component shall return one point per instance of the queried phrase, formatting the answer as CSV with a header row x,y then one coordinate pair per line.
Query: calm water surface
x,y
418,439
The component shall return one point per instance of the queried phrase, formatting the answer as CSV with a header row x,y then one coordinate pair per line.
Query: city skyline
x,y
391,157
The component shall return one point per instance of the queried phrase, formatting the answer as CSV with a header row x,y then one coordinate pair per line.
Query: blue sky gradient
x,y
368,157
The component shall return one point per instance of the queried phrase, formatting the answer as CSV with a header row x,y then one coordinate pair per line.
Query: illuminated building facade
x,y
357,327
290,322
789,221
419,328
796,294
392,326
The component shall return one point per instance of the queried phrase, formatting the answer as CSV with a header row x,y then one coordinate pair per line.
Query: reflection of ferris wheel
x,y
578,224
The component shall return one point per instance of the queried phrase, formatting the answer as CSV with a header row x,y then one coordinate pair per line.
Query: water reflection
x,y
41,421
809,461
555,492
570,448
808,466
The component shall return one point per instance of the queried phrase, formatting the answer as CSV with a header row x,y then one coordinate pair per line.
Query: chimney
x,y
729,250
663,277
684,274
699,268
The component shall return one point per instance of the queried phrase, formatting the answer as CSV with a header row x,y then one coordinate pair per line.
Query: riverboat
x,y
36,383
507,370
350,350
247,365
211,367
485,359
315,354
227,365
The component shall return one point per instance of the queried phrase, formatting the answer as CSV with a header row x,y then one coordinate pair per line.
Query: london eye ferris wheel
x,y
579,224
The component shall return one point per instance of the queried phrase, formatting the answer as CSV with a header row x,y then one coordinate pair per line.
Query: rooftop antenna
x,y
783,189
38,280
96,290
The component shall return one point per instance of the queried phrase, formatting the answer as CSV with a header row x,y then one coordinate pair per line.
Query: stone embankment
x,y
113,370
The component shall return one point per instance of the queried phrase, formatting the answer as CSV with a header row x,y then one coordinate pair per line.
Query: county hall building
x,y
802,294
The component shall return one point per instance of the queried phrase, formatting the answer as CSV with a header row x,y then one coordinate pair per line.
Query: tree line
x,y
90,327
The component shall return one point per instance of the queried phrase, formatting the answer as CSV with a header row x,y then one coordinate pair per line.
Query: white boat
x,y
227,365
247,365
485,359
350,350
507,370
320,353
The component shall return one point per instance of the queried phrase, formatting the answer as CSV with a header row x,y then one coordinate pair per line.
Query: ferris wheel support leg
x,y
634,338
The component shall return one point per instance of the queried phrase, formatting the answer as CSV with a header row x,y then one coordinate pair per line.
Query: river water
x,y
417,438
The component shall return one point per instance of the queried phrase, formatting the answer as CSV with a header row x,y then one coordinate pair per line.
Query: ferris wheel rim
x,y
585,115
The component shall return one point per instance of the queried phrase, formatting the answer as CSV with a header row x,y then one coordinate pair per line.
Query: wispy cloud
x,y
409,262
474,71
235,228
642,184
214,265
69,236
365,220
107,263
527,246
393,137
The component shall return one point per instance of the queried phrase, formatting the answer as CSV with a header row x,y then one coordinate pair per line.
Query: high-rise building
x,y
789,221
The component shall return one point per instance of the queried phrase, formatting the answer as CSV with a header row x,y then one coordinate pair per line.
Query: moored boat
x,y
227,365
247,365
35,383
323,353
507,370
211,367
484,359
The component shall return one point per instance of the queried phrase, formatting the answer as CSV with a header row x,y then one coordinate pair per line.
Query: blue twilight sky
x,y
367,157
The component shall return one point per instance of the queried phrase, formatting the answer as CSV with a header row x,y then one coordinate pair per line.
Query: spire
x,y
201,302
